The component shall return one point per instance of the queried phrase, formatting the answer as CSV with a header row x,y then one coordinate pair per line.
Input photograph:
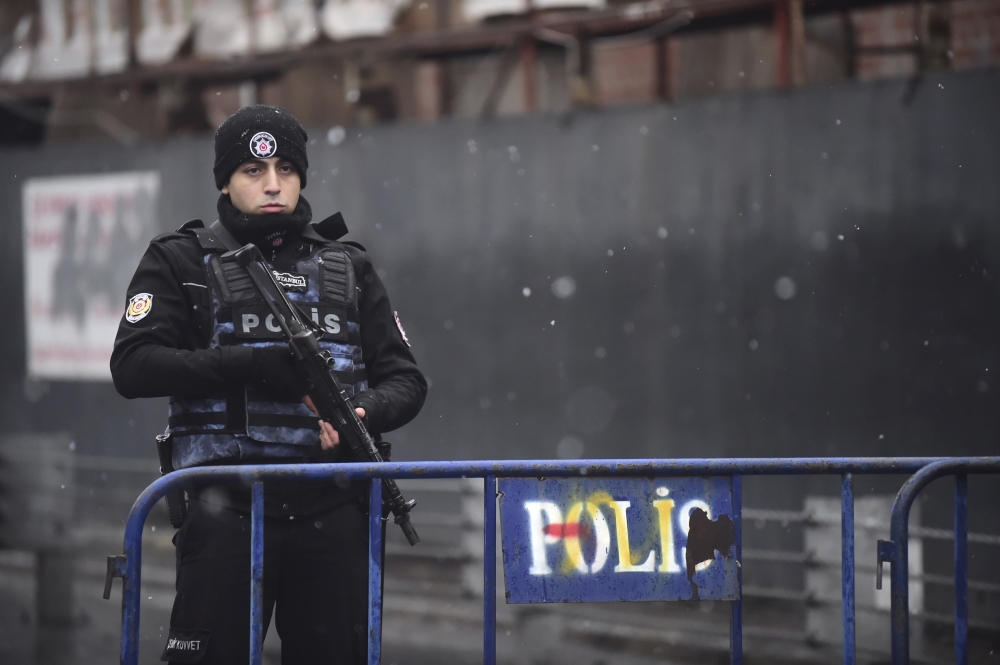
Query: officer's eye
x,y
285,168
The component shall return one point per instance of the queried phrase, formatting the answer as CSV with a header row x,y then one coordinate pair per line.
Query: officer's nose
x,y
272,184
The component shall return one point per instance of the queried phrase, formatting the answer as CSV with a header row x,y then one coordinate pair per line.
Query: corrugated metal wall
x,y
667,346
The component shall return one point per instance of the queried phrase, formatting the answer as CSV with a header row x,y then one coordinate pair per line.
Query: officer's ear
x,y
225,189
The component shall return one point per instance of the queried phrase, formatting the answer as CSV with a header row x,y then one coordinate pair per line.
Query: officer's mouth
x,y
273,207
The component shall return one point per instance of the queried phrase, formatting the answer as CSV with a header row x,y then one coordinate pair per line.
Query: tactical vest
x,y
244,424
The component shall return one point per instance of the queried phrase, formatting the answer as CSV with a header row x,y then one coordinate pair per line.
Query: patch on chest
x,y
292,281
256,322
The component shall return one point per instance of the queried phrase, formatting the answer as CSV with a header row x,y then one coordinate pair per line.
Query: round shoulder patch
x,y
263,145
139,306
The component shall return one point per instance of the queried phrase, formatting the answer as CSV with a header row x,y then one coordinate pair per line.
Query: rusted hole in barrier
x,y
705,537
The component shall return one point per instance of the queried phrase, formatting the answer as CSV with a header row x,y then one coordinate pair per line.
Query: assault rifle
x,y
315,365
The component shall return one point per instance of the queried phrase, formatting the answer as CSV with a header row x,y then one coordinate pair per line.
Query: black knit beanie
x,y
259,132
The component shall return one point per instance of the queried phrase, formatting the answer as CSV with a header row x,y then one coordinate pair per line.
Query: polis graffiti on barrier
x,y
618,539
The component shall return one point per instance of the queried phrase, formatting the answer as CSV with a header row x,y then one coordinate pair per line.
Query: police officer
x,y
196,331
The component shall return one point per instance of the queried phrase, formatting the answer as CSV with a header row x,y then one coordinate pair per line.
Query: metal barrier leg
x,y
736,618
257,574
490,571
847,564
961,569
375,574
131,583
900,589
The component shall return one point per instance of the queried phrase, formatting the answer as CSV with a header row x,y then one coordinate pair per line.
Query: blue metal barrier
x,y
128,567
896,551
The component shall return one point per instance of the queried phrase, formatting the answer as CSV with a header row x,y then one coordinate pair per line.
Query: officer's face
x,y
263,186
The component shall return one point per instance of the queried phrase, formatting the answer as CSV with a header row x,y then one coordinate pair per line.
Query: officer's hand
x,y
329,438
274,374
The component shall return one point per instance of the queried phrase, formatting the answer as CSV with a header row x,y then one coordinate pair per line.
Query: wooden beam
x,y
662,56
616,20
782,39
797,42
529,70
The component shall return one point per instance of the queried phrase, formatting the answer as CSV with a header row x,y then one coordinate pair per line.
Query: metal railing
x,y
128,566
896,551
460,544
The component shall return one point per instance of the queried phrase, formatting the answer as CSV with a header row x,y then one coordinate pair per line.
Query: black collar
x,y
332,228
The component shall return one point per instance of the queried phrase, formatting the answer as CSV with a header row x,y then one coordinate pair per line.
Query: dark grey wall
x,y
889,345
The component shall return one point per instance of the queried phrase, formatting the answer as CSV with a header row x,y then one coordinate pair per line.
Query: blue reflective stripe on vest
x,y
208,435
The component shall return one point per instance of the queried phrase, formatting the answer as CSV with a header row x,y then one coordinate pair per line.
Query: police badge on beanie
x,y
259,132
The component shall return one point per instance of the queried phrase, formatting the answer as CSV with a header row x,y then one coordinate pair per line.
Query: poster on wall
x,y
83,237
